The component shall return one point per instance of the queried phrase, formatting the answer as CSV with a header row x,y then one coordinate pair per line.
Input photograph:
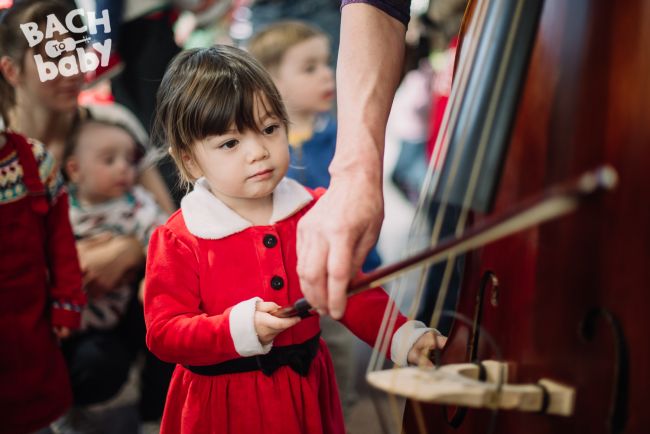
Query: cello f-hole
x,y
618,411
489,280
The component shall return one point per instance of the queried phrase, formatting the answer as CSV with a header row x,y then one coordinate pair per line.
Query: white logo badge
x,y
79,60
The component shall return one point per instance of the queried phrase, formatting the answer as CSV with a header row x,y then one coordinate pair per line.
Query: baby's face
x,y
305,78
106,162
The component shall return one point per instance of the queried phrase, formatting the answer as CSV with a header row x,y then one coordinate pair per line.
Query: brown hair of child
x,y
271,43
207,91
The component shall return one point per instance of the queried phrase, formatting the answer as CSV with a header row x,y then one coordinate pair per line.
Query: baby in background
x,y
100,162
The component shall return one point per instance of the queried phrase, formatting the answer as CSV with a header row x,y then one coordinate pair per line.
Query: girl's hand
x,y
268,326
61,332
419,353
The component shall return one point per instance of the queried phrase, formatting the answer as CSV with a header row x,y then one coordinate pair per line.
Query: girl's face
x,y
305,78
103,165
58,95
240,166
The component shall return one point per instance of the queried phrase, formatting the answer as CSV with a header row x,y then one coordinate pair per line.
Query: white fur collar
x,y
208,217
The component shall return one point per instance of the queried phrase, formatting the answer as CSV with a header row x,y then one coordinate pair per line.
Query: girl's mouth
x,y
261,175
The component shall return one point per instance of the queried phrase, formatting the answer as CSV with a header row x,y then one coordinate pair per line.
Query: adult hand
x,y
268,326
334,238
108,261
61,332
336,235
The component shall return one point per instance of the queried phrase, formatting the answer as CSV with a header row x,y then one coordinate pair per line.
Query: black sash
x,y
298,357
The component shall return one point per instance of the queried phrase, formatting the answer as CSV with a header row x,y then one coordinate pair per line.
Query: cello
x,y
546,91
546,324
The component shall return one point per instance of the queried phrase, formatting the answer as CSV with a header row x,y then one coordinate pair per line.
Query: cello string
x,y
442,143
462,142
478,67
473,180
465,59
468,59
419,416
472,186
450,117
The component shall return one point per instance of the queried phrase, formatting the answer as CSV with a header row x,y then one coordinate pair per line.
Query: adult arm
x,y
335,236
63,266
64,275
108,262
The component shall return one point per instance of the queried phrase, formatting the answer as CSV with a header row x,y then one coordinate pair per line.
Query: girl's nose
x,y
257,152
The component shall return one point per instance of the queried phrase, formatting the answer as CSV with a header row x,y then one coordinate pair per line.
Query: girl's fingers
x,y
279,323
61,332
266,306
440,341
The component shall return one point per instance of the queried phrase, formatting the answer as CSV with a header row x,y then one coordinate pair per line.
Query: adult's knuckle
x,y
339,271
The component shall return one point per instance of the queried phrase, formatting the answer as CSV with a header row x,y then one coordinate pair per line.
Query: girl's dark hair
x,y
207,91
14,44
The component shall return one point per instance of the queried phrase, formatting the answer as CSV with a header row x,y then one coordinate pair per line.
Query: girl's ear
x,y
71,169
10,70
191,165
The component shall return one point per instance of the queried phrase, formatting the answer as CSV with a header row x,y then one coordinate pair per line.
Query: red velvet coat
x,y
197,313
40,287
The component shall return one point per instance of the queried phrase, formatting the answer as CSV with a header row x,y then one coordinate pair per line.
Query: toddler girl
x,y
222,263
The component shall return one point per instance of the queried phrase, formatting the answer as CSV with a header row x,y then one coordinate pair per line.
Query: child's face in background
x,y
305,79
103,165
240,166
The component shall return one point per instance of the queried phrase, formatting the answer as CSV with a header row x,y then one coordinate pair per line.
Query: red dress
x,y
40,287
195,285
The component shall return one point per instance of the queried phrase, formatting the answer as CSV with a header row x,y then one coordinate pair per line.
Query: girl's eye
x,y
229,144
271,129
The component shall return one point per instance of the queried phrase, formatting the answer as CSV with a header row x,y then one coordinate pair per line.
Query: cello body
x,y
569,299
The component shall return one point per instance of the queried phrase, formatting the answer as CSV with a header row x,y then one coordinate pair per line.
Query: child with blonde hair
x,y
297,56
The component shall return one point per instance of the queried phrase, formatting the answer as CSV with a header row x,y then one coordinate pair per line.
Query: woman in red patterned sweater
x,y
40,286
